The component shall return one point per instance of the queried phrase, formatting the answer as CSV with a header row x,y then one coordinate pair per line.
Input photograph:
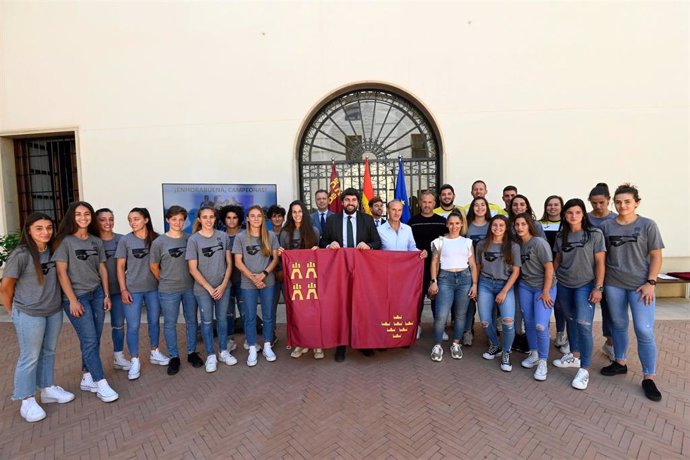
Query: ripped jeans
x,y
486,298
643,323
579,315
537,317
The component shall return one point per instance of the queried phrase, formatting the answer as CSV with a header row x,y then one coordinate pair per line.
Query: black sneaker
x,y
520,344
174,366
614,369
491,352
195,360
650,390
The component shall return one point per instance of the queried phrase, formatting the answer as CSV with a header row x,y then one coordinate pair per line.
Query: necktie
x,y
350,233
323,222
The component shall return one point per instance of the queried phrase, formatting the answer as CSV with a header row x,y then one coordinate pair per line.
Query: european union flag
x,y
401,193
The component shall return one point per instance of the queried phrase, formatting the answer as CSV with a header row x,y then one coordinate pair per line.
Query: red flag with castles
x,y
366,299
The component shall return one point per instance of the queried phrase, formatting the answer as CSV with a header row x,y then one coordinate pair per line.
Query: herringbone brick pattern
x,y
398,404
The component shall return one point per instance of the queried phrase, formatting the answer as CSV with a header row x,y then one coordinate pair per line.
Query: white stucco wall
x,y
550,96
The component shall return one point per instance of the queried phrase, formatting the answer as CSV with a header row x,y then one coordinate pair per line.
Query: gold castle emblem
x,y
303,282
397,327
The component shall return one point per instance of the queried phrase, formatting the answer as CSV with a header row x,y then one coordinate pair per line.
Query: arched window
x,y
374,122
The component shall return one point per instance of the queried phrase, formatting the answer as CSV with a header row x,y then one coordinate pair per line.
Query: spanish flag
x,y
367,189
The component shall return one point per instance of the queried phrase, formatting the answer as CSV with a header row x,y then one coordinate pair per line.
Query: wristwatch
x,y
432,280
599,288
652,282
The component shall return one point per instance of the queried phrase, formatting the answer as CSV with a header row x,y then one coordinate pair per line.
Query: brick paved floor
x,y
398,404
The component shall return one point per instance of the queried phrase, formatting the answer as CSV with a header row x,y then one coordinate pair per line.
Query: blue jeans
x,y
537,317
234,302
251,297
579,315
469,318
89,327
170,304
560,316
643,323
37,337
117,322
453,291
488,289
133,317
208,307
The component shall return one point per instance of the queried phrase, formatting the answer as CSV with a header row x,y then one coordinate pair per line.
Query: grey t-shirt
x,y
285,242
210,256
110,247
477,233
253,258
598,221
30,296
493,265
577,257
83,258
138,274
174,271
628,247
534,254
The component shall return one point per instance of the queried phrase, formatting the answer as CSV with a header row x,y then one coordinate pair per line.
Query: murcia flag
x,y
386,292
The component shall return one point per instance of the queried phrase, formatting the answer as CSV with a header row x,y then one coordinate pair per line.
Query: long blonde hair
x,y
266,248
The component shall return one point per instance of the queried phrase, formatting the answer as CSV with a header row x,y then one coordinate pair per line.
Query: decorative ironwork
x,y
46,175
374,124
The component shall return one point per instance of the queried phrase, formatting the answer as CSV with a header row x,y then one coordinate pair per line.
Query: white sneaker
x,y
31,411
318,353
211,363
437,353
467,338
567,360
456,351
419,332
56,394
531,360
608,351
445,337
506,365
232,345
227,358
560,339
581,380
87,383
246,346
134,369
105,393
299,351
268,353
252,358
565,349
120,362
159,358
542,370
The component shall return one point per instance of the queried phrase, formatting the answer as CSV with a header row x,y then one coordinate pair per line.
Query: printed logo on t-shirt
x,y
527,256
109,253
210,250
252,249
620,240
176,252
491,256
571,245
83,254
477,238
46,267
140,253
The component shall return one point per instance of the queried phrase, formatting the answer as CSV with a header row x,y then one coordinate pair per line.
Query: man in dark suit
x,y
350,229
319,217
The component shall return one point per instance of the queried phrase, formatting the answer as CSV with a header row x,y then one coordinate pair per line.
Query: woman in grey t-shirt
x,y
137,285
299,233
106,222
478,215
31,295
256,257
633,262
80,261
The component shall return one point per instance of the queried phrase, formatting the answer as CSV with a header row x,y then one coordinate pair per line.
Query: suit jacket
x,y
366,231
316,219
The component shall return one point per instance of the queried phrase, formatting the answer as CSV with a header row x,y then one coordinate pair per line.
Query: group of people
x,y
502,262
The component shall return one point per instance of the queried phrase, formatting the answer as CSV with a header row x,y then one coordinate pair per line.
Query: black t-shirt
x,y
427,229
